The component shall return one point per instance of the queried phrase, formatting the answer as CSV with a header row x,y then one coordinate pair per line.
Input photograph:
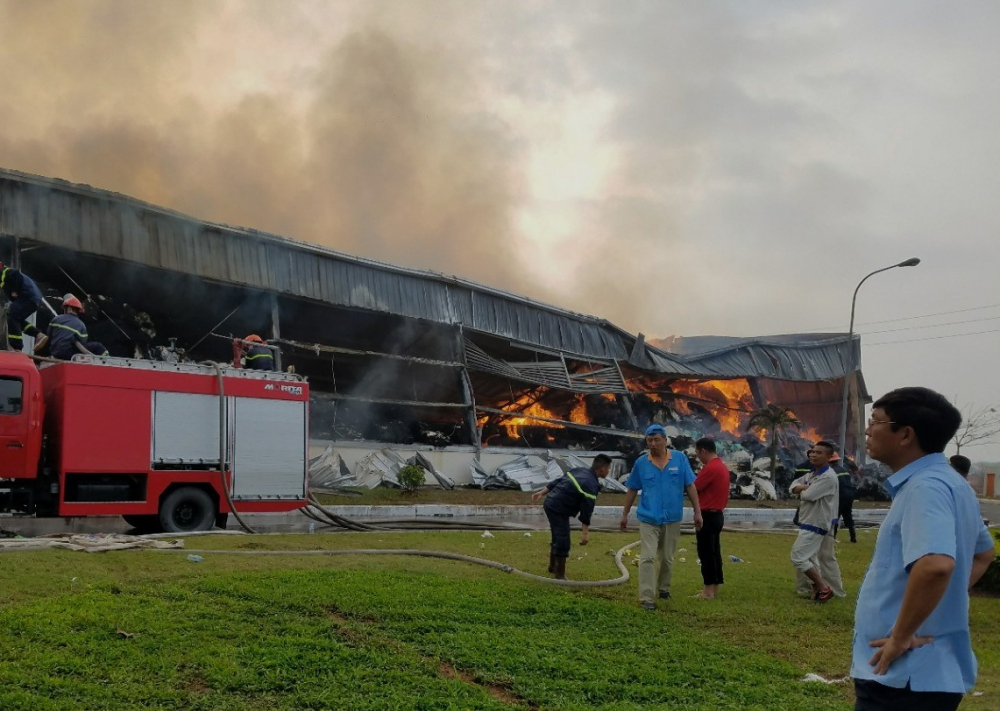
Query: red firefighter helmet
x,y
253,338
72,302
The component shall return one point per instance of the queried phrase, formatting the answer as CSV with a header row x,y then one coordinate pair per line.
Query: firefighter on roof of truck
x,y
24,296
258,355
67,334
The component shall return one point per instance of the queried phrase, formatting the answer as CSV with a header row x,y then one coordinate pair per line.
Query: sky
x,y
678,168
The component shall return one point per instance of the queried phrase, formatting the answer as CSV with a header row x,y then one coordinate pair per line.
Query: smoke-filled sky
x,y
730,168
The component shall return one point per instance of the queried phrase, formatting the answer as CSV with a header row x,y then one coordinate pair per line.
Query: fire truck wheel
x,y
143,524
187,509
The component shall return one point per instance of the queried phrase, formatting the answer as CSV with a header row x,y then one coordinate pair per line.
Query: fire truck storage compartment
x,y
266,444
269,452
185,430
105,487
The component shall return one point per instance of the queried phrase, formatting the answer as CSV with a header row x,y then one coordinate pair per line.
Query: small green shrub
x,y
411,478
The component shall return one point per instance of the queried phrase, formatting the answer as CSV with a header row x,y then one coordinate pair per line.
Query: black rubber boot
x,y
560,568
552,562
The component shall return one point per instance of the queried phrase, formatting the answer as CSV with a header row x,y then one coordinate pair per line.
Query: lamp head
x,y
911,262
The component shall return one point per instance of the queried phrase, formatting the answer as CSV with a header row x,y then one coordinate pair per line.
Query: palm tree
x,y
773,419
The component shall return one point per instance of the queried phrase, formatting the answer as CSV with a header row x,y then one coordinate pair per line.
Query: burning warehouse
x,y
409,360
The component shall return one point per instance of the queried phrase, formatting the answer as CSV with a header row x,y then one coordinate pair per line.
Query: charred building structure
x,y
402,357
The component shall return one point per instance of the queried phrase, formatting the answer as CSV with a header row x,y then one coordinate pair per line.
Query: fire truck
x,y
167,446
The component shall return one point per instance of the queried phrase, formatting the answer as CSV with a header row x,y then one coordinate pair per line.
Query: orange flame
x,y
531,410
729,401
579,412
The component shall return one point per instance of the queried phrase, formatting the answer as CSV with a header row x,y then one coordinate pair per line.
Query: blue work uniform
x,y
662,490
573,494
65,331
24,296
259,357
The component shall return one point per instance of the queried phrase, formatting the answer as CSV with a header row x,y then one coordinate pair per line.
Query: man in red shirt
x,y
712,484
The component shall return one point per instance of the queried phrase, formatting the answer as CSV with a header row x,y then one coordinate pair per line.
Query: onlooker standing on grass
x,y
912,648
712,484
818,491
826,558
663,476
572,494
848,490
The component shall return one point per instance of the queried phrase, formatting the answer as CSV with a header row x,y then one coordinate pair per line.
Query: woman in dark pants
x,y
712,484
572,494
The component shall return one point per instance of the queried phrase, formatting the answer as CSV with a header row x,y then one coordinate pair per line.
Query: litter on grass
x,y
810,677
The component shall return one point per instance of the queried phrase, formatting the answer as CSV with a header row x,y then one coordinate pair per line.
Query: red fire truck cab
x,y
155,443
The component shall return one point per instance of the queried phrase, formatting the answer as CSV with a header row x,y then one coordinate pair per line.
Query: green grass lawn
x,y
357,632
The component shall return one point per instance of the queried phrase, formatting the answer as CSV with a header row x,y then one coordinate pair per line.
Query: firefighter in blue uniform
x,y
24,296
572,494
258,356
67,334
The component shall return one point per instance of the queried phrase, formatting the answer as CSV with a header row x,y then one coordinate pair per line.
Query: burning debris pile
x,y
688,409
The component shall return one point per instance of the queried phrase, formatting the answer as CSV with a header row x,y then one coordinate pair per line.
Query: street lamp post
x,y
911,262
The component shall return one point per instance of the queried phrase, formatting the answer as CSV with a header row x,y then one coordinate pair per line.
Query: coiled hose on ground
x,y
621,579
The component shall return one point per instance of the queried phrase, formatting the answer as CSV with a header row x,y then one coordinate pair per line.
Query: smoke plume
x,y
377,148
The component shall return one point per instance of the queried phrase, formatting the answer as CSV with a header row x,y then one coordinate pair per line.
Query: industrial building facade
x,y
396,355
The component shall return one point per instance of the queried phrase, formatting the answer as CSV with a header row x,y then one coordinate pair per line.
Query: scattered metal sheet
x,y
490,481
612,486
445,482
379,469
527,476
609,484
330,471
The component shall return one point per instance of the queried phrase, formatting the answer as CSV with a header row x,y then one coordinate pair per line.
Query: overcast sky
x,y
675,167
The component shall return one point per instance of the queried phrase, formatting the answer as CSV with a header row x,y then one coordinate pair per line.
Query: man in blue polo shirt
x,y
912,648
663,476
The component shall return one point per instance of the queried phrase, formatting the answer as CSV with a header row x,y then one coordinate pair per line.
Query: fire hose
x,y
503,567
222,449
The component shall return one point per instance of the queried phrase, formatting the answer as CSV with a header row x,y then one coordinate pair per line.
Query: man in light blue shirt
x,y
663,475
912,648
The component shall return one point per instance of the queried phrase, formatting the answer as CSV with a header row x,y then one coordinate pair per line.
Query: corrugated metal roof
x,y
99,222
807,356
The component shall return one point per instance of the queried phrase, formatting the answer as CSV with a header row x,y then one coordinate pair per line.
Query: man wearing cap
x,y
663,476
